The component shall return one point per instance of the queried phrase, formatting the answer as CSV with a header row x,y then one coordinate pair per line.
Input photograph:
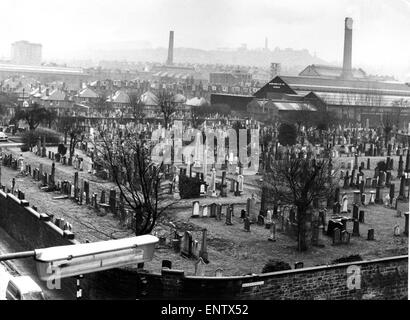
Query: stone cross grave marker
x,y
344,203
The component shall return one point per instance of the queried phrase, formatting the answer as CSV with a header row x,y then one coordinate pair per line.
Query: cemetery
x,y
221,220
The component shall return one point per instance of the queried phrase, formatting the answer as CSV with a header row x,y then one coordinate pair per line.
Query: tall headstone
x,y
356,227
195,209
204,249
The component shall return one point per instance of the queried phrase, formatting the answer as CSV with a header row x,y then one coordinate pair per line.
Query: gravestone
x,y
204,211
356,232
361,216
370,234
219,273
243,214
379,196
336,236
355,212
112,201
204,248
396,230
213,210
195,209
345,237
269,216
187,245
218,212
166,264
372,197
228,220
272,236
200,267
356,197
344,204
246,224
252,210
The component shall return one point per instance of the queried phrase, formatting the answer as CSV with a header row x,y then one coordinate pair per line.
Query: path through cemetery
x,y
230,247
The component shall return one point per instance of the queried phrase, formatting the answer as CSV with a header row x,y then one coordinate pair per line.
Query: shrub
x,y
382,166
287,134
30,138
24,148
62,149
275,265
189,187
351,258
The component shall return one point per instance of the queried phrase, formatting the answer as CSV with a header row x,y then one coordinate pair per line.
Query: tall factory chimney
x,y
347,53
170,59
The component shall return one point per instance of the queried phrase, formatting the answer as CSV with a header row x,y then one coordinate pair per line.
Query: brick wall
x,y
379,279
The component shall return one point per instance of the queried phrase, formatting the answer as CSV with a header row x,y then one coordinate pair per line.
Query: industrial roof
x,y
357,99
342,85
294,106
317,70
40,69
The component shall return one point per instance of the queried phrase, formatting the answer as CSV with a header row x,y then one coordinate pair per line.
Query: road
x,y
10,144
26,267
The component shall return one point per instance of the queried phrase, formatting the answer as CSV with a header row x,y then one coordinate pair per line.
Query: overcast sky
x,y
67,28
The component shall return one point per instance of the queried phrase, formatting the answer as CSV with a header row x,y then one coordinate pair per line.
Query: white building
x,y
26,53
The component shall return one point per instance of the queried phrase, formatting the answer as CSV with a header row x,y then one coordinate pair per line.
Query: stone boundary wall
x,y
385,278
32,230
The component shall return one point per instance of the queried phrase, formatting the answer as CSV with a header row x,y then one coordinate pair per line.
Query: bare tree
x,y
101,104
50,117
389,121
76,136
298,182
34,115
167,105
136,176
136,106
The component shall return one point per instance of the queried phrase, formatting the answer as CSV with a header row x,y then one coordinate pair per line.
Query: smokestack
x,y
170,59
347,53
266,43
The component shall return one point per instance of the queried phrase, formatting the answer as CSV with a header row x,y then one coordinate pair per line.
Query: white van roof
x,y
25,284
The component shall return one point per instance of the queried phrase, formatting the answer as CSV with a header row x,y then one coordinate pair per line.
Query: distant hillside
x,y
260,58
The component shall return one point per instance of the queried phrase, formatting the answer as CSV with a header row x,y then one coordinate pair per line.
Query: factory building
x,y
348,92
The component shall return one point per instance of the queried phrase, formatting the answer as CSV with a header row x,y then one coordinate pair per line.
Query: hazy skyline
x,y
69,29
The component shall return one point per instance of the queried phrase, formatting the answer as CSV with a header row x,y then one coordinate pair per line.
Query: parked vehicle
x,y
3,136
18,287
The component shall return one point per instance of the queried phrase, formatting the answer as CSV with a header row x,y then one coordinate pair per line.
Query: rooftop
x,y
298,83
40,69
